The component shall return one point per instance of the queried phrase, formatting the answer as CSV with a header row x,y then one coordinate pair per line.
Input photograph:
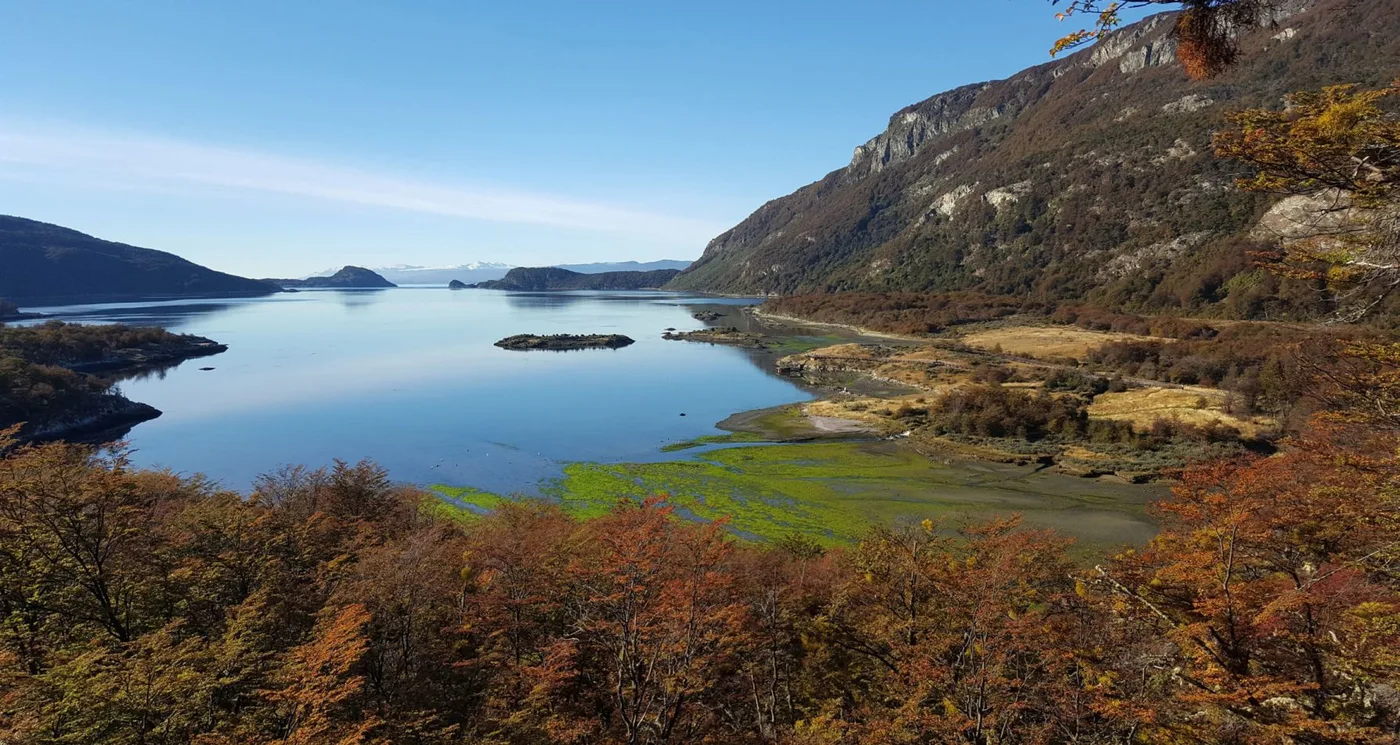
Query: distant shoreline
x,y
57,301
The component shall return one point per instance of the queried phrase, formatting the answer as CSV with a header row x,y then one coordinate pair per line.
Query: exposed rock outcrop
x,y
564,342
1035,184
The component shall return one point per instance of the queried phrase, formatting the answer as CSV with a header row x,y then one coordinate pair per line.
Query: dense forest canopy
x,y
332,606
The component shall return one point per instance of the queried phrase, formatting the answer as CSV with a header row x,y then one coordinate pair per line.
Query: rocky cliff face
x,y
1089,176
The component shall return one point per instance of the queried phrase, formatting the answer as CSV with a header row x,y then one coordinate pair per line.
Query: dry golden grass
x,y
926,355
880,413
1081,453
1044,342
928,377
845,351
1200,406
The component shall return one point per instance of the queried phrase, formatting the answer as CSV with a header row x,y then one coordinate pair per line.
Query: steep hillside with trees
x,y
1091,177
40,262
554,278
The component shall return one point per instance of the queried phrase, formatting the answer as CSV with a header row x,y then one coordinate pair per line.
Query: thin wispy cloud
x,y
106,160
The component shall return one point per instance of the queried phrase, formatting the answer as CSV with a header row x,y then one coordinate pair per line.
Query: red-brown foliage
x,y
143,607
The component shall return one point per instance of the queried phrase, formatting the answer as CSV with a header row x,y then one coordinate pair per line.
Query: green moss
x,y
778,424
725,439
834,491
785,345
461,503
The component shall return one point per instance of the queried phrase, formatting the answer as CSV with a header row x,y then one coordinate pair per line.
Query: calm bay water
x,y
409,378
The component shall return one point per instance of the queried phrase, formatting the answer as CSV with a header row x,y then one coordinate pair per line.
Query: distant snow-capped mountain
x,y
625,266
476,271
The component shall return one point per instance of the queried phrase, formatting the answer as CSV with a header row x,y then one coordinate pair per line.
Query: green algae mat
x,y
834,492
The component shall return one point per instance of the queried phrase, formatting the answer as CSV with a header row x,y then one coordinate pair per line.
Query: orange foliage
x,y
143,607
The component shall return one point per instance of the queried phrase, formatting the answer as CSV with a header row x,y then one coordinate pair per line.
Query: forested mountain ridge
x,y
42,262
1089,177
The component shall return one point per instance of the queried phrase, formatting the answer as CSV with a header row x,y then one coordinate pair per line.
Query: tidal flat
x,y
834,492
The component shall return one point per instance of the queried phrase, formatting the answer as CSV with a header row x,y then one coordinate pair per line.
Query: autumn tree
x,y
517,633
77,544
319,684
1273,585
1206,31
1338,151
978,638
657,606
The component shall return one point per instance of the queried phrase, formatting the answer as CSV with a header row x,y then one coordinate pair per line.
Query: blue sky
x,y
281,138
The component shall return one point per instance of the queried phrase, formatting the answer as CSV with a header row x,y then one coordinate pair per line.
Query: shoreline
x,y
108,416
762,315
63,301
115,416
195,348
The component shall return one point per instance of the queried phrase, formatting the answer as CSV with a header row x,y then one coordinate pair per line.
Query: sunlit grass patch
x,y
1199,406
1048,342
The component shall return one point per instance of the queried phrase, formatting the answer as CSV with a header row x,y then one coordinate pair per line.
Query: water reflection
x,y
169,316
150,372
410,377
539,300
356,299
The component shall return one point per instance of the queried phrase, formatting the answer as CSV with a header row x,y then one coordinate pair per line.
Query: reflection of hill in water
x,y
165,316
358,299
152,372
320,374
564,299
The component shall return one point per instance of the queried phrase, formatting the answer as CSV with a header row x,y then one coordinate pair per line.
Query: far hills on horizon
x,y
484,271
42,263
553,278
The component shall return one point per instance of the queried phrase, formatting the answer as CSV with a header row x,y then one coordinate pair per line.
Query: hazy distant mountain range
x,y
347,278
626,266
46,264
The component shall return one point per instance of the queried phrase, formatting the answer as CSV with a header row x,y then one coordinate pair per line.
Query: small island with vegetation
x,y
457,284
11,312
49,383
564,342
